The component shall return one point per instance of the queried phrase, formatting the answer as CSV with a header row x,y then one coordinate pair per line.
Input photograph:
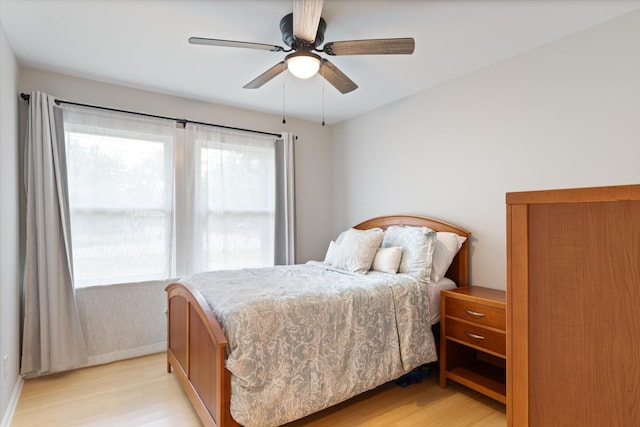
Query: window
x,y
234,204
120,180
132,204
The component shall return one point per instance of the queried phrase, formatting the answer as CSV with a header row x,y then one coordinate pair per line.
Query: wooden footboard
x,y
196,352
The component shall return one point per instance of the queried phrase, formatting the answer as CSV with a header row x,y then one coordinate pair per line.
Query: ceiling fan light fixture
x,y
303,64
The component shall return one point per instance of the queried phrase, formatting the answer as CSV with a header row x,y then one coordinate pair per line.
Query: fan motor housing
x,y
286,27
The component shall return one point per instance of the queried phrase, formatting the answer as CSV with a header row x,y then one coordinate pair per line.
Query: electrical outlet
x,y
5,364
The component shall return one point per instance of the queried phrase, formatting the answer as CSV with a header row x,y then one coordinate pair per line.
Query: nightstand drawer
x,y
476,335
477,313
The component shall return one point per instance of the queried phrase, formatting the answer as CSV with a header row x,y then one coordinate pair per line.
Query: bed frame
x,y
196,343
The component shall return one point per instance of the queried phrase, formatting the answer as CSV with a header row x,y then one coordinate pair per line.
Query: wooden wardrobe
x,y
573,307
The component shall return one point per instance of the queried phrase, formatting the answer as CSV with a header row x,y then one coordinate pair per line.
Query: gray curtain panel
x,y
52,335
285,202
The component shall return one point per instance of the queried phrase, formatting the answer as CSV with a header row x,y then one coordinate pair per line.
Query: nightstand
x,y
473,339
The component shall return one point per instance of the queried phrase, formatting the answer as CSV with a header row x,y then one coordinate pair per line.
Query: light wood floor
x,y
139,392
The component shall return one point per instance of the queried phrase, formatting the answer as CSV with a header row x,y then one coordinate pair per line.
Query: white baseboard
x,y
127,354
13,403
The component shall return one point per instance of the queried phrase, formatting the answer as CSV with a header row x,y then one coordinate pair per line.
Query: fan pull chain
x,y
323,100
284,120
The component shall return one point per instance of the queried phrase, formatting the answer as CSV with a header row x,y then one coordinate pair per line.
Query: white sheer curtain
x,y
52,334
230,198
139,199
121,189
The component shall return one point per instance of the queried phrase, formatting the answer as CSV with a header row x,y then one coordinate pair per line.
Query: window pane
x,y
117,173
238,180
238,240
111,246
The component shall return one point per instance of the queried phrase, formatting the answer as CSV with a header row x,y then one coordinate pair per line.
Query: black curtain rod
x,y
183,122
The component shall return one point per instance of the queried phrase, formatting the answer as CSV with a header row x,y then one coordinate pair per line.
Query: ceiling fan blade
x,y
266,76
337,78
306,17
234,43
399,46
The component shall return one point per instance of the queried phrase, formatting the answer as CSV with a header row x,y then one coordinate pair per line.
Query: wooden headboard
x,y
459,269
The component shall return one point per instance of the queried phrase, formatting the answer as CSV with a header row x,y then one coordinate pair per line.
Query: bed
x,y
200,353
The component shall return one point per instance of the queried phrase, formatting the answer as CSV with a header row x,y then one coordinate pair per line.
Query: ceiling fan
x,y
303,32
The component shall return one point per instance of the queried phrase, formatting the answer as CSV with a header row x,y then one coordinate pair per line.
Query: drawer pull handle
x,y
474,336
474,313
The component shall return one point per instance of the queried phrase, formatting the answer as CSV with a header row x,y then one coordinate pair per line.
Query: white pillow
x,y
447,246
358,249
387,260
332,253
417,245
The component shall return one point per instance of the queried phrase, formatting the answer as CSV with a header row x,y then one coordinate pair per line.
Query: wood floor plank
x,y
139,392
133,392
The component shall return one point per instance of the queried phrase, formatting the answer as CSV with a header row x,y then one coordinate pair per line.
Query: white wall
x,y
9,243
563,115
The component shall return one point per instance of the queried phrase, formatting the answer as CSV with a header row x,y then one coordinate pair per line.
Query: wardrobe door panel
x,y
584,327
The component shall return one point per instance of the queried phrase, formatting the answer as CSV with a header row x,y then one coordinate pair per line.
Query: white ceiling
x,y
143,44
